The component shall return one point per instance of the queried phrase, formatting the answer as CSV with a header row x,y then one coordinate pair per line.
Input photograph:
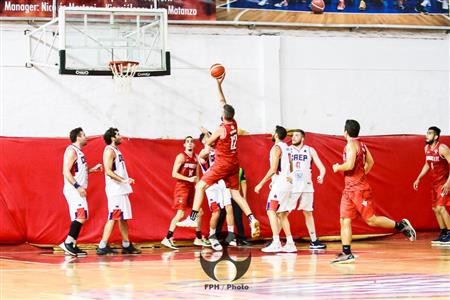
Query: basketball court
x,y
388,268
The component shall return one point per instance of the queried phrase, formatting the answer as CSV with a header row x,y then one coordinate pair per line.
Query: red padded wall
x,y
33,208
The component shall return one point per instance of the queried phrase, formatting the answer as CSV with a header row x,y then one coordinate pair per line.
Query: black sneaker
x,y
343,259
317,245
79,251
131,250
243,242
408,230
420,9
106,250
445,240
438,240
68,248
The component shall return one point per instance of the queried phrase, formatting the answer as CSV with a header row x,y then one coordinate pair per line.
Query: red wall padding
x,y
33,207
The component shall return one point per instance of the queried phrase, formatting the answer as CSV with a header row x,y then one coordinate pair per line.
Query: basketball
x,y
317,6
217,70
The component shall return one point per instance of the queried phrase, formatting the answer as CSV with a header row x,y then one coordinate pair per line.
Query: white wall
x,y
392,82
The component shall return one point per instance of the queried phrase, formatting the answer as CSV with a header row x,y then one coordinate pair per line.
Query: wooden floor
x,y
385,268
259,15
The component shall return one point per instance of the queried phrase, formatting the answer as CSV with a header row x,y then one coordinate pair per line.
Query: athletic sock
x,y
198,234
212,231
312,235
346,249
194,214
69,240
230,228
74,231
289,239
445,231
251,218
169,234
125,244
276,238
102,244
399,225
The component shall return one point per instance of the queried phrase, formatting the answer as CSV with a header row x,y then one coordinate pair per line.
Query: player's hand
x,y
416,184
204,130
129,181
193,179
97,168
320,179
81,191
289,179
220,79
258,188
335,167
445,189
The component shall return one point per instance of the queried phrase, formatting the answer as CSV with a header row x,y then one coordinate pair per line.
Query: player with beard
x,y
118,187
437,159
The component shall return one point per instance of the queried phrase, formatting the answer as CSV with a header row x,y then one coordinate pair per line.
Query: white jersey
x,y
208,164
113,187
301,160
79,169
279,180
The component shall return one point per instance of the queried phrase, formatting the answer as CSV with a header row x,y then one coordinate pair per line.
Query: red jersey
x,y
188,168
356,180
438,164
226,148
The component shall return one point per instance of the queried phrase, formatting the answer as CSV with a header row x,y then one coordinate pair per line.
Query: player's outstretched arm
x,y
217,134
319,165
221,95
444,151
369,162
422,173
179,161
275,155
96,168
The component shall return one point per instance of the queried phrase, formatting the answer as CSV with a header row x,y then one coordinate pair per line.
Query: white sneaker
x,y
263,2
445,5
215,244
273,247
202,242
289,248
281,4
254,226
426,3
168,243
187,223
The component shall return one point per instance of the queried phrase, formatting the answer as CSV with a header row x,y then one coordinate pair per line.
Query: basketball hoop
x,y
123,72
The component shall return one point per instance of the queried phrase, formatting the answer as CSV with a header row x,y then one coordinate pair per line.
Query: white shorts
x,y
306,201
277,200
78,207
218,197
119,207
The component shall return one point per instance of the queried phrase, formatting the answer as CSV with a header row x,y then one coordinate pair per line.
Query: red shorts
x,y
183,197
437,198
354,203
228,172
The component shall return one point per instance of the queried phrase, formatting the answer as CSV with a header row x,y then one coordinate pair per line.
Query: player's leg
x,y
272,208
212,230
199,239
103,247
289,247
78,214
254,223
237,214
231,237
306,205
442,211
127,246
348,212
364,205
168,239
200,189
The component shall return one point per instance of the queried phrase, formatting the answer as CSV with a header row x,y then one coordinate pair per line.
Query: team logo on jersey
x,y
210,266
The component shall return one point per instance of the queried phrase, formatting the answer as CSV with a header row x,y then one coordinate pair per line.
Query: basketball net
x,y
123,72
